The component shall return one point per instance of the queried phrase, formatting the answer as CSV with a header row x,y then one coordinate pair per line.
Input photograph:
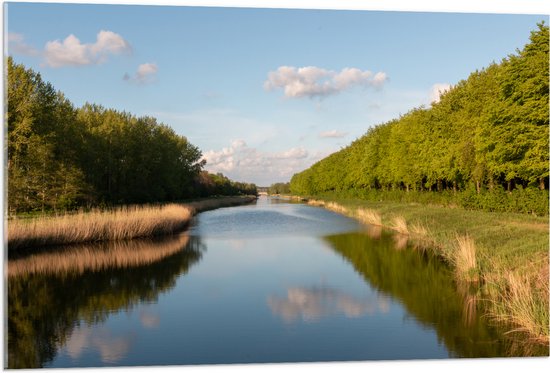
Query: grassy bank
x,y
121,223
505,254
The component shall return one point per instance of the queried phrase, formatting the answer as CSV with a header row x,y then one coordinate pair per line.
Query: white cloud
x,y
71,52
332,134
243,163
17,45
437,90
294,153
311,81
146,73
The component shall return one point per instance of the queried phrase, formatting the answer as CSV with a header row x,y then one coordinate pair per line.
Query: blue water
x,y
256,284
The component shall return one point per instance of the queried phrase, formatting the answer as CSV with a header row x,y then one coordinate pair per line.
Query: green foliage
x,y
217,184
60,157
279,188
484,145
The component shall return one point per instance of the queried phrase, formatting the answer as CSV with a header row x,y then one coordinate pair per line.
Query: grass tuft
x,y
463,258
368,216
399,224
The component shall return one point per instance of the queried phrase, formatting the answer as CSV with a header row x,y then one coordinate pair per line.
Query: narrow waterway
x,y
273,281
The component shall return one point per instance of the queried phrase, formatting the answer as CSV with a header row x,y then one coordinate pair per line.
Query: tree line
x,y
279,188
60,157
487,135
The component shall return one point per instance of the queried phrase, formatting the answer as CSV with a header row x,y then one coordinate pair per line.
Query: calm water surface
x,y
269,282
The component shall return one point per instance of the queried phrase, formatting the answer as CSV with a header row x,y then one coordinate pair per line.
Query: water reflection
x,y
312,304
45,304
96,256
110,347
426,288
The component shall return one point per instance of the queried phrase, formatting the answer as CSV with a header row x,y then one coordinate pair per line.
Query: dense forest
x,y
61,157
483,145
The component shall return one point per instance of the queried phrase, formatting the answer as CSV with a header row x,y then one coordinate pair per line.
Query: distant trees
x,y
279,188
488,133
61,157
210,184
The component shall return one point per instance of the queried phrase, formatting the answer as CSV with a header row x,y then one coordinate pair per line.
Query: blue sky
x,y
264,93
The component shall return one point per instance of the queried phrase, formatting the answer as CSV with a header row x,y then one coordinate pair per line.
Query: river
x,y
274,281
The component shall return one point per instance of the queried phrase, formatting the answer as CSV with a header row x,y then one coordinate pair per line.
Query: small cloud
x,y
17,45
71,52
294,153
332,134
437,90
312,81
146,73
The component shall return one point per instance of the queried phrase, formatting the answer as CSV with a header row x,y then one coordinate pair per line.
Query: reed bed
x,y
97,257
118,224
123,223
522,300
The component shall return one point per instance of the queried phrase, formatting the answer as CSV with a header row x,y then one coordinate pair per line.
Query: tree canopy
x,y
488,132
61,157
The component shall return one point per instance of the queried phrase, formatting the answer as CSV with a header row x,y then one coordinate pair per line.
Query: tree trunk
x,y
478,187
541,184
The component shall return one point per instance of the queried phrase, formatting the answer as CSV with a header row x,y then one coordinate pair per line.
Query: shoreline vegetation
x,y
117,224
503,256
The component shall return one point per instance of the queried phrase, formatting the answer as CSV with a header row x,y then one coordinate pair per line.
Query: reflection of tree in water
x,y
43,309
427,290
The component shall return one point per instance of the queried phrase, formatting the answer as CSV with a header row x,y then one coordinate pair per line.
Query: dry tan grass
x,y
97,256
368,216
118,224
399,224
463,258
524,303
419,230
315,202
332,206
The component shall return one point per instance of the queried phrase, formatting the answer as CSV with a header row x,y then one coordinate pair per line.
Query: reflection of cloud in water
x,y
111,348
315,303
149,320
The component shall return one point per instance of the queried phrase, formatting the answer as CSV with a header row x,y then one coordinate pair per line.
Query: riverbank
x,y
504,255
121,223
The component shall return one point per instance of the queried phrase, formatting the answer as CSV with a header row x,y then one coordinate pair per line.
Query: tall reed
x,y
522,299
463,258
118,224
